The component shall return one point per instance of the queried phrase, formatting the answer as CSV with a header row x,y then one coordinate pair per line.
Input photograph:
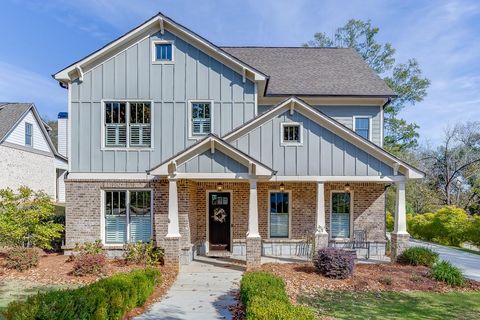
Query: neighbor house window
x,y
28,134
128,124
362,126
163,51
341,214
128,216
201,118
279,214
291,133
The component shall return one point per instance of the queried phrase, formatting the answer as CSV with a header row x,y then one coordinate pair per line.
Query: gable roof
x,y
11,113
294,103
160,22
211,142
313,71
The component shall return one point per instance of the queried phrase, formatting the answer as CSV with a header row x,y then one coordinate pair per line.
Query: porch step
x,y
219,253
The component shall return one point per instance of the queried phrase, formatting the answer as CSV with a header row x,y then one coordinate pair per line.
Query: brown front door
x,y
219,220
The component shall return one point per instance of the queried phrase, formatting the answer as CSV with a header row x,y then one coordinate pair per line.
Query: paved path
x,y
203,290
468,262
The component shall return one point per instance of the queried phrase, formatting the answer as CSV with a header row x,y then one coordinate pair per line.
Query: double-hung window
x,y
28,134
279,214
341,215
201,118
362,126
128,124
128,216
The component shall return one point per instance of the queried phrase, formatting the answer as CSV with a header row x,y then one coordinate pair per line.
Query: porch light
x,y
282,187
219,186
347,188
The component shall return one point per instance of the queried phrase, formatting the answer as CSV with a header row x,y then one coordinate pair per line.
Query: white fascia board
x,y
380,179
175,28
108,176
330,124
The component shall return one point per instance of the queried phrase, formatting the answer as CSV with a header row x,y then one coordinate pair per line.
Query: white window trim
x,y
300,131
351,215
127,101
154,55
290,214
354,118
25,134
207,227
192,136
102,215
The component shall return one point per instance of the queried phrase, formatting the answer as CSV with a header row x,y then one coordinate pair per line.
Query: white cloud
x,y
20,85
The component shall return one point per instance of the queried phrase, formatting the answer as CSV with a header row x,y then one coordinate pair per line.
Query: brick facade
x,y
83,209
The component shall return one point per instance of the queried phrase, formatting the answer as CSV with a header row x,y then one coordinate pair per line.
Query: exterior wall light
x,y
282,187
219,186
347,188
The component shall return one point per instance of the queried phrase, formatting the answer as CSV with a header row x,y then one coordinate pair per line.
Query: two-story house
x,y
243,151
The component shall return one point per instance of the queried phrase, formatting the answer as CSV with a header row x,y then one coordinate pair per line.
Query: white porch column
x,y
400,211
173,226
321,235
400,236
253,211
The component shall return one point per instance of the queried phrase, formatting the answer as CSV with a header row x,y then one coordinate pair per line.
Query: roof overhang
x,y
294,103
212,143
159,22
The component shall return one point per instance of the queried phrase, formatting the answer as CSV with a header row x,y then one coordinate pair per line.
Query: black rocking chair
x,y
360,241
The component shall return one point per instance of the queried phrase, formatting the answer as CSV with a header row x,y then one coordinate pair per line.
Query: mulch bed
x,y
301,279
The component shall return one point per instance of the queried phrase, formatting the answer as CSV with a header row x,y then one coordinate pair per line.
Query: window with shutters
x,y
341,215
200,118
128,124
291,133
279,214
128,216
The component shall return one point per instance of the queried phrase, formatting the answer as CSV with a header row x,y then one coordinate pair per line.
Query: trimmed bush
x,y
89,264
21,259
143,253
446,272
107,299
335,263
264,297
418,256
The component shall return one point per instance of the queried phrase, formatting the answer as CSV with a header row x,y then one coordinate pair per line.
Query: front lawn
x,y
394,305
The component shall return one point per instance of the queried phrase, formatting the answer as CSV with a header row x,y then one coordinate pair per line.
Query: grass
x,y
395,305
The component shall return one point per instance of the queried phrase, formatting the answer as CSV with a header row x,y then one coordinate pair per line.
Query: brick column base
x,y
172,251
321,241
254,252
399,244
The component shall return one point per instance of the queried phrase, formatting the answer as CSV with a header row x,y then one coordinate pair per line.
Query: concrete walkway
x,y
203,290
469,263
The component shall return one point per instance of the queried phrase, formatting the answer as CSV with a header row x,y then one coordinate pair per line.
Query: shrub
x,y
335,263
26,219
446,272
473,233
264,297
390,221
386,281
143,253
21,259
89,247
109,298
89,264
418,256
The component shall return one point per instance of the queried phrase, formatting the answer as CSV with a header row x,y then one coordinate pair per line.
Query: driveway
x,y
203,290
468,262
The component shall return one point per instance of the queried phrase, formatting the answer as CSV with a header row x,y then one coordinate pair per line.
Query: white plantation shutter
x,y
116,135
140,228
140,135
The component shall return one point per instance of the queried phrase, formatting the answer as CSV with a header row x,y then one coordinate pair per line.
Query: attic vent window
x,y
162,51
291,134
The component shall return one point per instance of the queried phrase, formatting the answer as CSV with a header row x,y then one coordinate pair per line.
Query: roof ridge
x,y
280,47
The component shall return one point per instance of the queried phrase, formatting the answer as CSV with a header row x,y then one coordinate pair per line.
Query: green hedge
x,y
418,256
109,298
265,298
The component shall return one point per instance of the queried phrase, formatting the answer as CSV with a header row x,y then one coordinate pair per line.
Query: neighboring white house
x,y
27,155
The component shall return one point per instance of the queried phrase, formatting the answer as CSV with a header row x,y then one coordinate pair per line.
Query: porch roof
x,y
211,143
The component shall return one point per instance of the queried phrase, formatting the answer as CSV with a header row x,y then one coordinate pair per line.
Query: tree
x,y
26,219
454,166
405,79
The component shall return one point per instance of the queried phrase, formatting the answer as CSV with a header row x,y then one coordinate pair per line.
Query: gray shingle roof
x,y
10,113
313,71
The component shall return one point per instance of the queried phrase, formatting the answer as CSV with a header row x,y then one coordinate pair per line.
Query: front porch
x,y
248,207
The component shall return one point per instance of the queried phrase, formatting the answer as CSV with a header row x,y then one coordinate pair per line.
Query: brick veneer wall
x,y
368,208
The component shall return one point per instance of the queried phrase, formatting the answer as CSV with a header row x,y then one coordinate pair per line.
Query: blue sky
x,y
40,37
